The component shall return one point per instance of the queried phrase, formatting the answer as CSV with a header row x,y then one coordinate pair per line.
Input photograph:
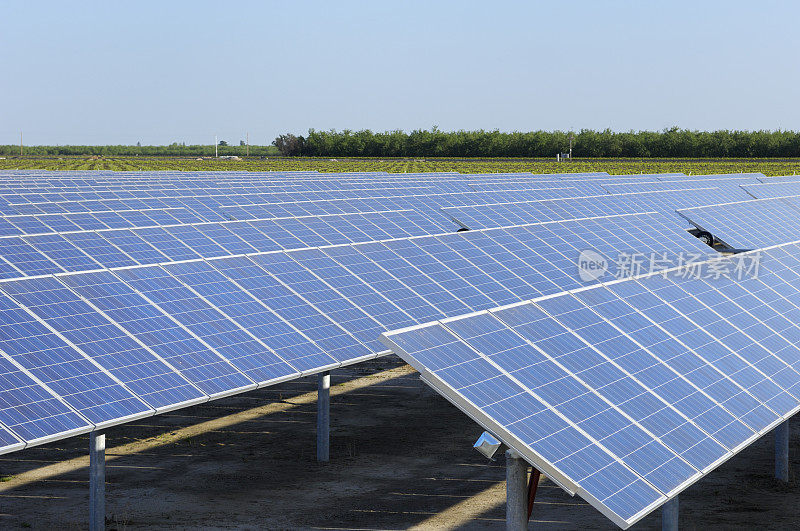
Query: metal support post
x,y
323,416
782,452
669,515
97,481
516,492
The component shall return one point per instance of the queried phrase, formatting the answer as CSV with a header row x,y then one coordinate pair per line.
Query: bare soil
x,y
401,457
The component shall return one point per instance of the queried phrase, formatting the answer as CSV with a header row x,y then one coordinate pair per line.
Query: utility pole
x,y
247,143
216,153
20,143
571,136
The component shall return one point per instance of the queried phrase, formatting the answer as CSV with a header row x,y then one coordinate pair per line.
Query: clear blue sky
x,y
159,72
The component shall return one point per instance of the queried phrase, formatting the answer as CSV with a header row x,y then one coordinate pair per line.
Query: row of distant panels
x,y
96,246
105,249
130,213
323,182
210,208
241,198
84,350
753,224
333,183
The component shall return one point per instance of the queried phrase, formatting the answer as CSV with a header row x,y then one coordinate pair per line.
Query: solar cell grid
x,y
749,224
240,305
48,357
620,393
696,368
217,330
159,332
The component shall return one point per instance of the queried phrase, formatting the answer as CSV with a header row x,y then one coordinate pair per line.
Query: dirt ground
x,y
401,457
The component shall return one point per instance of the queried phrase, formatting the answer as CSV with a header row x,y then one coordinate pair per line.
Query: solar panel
x,y
258,281
87,388
730,186
780,178
334,340
32,255
666,376
517,213
749,224
292,345
114,349
770,189
161,333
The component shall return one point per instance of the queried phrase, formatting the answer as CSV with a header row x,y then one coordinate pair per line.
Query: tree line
x,y
669,143
172,150
674,142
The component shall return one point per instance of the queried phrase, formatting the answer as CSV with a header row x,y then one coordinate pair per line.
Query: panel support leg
x,y
323,416
516,492
97,481
669,515
782,452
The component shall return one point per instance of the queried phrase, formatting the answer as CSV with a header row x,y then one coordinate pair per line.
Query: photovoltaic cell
x,y
334,340
159,333
232,341
79,382
289,343
108,345
30,410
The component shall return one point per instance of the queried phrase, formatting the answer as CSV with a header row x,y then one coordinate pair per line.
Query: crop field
x,y
612,166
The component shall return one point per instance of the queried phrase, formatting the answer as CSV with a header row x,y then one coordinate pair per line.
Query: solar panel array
x,y
772,189
127,295
627,393
780,178
499,214
749,224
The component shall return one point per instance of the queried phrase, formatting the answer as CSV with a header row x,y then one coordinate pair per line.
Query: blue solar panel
x,y
317,293
29,224
96,245
772,189
133,247
588,409
749,224
374,274
108,345
677,350
196,240
289,343
658,361
26,258
159,332
72,376
564,451
361,294
31,410
224,235
62,252
173,248
233,342
334,340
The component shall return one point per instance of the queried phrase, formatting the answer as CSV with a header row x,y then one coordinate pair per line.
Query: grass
x,y
612,166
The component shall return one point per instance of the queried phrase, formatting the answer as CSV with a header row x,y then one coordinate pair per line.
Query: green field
x,y
612,166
